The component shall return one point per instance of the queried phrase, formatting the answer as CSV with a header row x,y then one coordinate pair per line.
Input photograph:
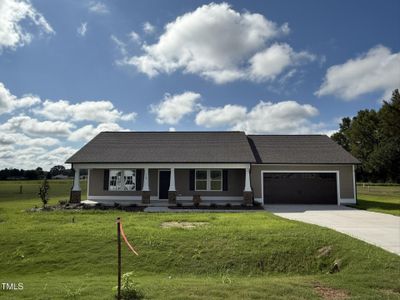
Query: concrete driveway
x,y
378,229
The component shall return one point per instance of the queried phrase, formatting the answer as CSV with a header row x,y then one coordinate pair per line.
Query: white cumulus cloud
x,y
378,70
134,36
9,138
18,19
82,29
45,140
148,28
98,8
88,132
220,44
97,111
34,126
267,64
10,102
221,116
174,107
285,117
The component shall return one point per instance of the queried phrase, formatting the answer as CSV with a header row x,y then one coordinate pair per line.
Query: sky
x,y
71,69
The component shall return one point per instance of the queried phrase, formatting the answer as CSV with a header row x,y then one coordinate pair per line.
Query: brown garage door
x,y
300,188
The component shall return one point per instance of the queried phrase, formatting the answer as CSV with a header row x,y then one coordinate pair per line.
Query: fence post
x,y
119,257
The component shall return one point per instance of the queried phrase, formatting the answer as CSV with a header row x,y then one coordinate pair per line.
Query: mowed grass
x,y
253,255
385,199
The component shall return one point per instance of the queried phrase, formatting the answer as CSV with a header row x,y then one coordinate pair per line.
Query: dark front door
x,y
163,185
300,188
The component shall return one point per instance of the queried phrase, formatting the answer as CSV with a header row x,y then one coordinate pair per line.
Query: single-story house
x,y
214,167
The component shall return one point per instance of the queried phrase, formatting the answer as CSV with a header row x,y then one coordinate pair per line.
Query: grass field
x,y
251,255
379,198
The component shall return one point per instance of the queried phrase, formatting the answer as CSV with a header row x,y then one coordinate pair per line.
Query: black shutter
x,y
224,180
106,179
139,175
191,179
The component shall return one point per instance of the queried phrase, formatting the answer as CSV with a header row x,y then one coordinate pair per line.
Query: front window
x,y
122,180
201,180
208,180
216,180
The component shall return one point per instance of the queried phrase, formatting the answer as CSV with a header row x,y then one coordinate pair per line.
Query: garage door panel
x,y
300,188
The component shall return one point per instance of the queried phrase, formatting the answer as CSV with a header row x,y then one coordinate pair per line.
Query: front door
x,y
163,185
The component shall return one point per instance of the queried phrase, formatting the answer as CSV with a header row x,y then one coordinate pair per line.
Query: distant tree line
x,y
374,138
38,173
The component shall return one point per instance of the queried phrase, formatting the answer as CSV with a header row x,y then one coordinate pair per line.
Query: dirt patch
x,y
184,225
391,292
324,251
328,293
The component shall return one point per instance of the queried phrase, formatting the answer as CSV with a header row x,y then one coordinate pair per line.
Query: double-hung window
x,y
208,180
122,180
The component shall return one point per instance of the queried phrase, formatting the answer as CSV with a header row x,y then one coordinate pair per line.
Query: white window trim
x,y
208,180
123,175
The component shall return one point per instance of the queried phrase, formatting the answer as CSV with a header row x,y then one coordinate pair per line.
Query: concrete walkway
x,y
382,230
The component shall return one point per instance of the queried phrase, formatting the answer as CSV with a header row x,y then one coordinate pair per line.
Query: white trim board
x,y
348,201
162,165
115,197
354,184
211,198
303,171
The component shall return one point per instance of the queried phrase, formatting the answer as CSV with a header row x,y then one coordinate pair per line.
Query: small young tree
x,y
44,192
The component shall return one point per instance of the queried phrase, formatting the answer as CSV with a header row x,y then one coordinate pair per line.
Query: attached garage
x,y
301,169
300,187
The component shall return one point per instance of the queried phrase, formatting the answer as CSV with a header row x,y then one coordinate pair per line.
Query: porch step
x,y
158,203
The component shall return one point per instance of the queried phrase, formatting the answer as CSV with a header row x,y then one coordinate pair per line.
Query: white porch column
x,y
146,180
76,186
247,187
172,181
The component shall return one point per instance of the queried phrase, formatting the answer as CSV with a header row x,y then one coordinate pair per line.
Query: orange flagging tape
x,y
126,240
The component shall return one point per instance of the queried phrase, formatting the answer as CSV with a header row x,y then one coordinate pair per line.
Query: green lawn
x,y
253,255
379,198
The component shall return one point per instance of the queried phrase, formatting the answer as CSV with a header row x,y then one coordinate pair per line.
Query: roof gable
x,y
166,147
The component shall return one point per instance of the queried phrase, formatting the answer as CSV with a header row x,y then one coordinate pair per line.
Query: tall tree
x,y
342,136
387,155
374,138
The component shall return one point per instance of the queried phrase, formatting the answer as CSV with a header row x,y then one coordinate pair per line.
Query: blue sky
x,y
70,69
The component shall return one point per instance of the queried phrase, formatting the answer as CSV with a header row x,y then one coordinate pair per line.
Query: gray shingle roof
x,y
166,147
299,149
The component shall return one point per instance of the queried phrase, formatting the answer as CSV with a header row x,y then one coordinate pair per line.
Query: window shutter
x,y
106,179
224,180
139,175
191,179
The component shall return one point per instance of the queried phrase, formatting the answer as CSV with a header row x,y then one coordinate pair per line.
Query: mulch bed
x,y
218,207
328,293
81,206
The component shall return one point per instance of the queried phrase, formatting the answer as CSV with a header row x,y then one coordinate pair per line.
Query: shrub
x,y
256,204
178,204
213,205
228,205
44,192
129,289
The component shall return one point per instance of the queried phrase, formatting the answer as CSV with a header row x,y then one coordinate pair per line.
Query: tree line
x,y
38,173
373,137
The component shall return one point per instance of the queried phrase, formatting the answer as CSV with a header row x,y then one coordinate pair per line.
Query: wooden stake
x,y
119,257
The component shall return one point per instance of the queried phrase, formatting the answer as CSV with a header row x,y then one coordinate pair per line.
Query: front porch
x,y
165,184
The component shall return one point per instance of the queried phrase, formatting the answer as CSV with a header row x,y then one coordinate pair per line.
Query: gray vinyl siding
x,y
345,176
236,179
